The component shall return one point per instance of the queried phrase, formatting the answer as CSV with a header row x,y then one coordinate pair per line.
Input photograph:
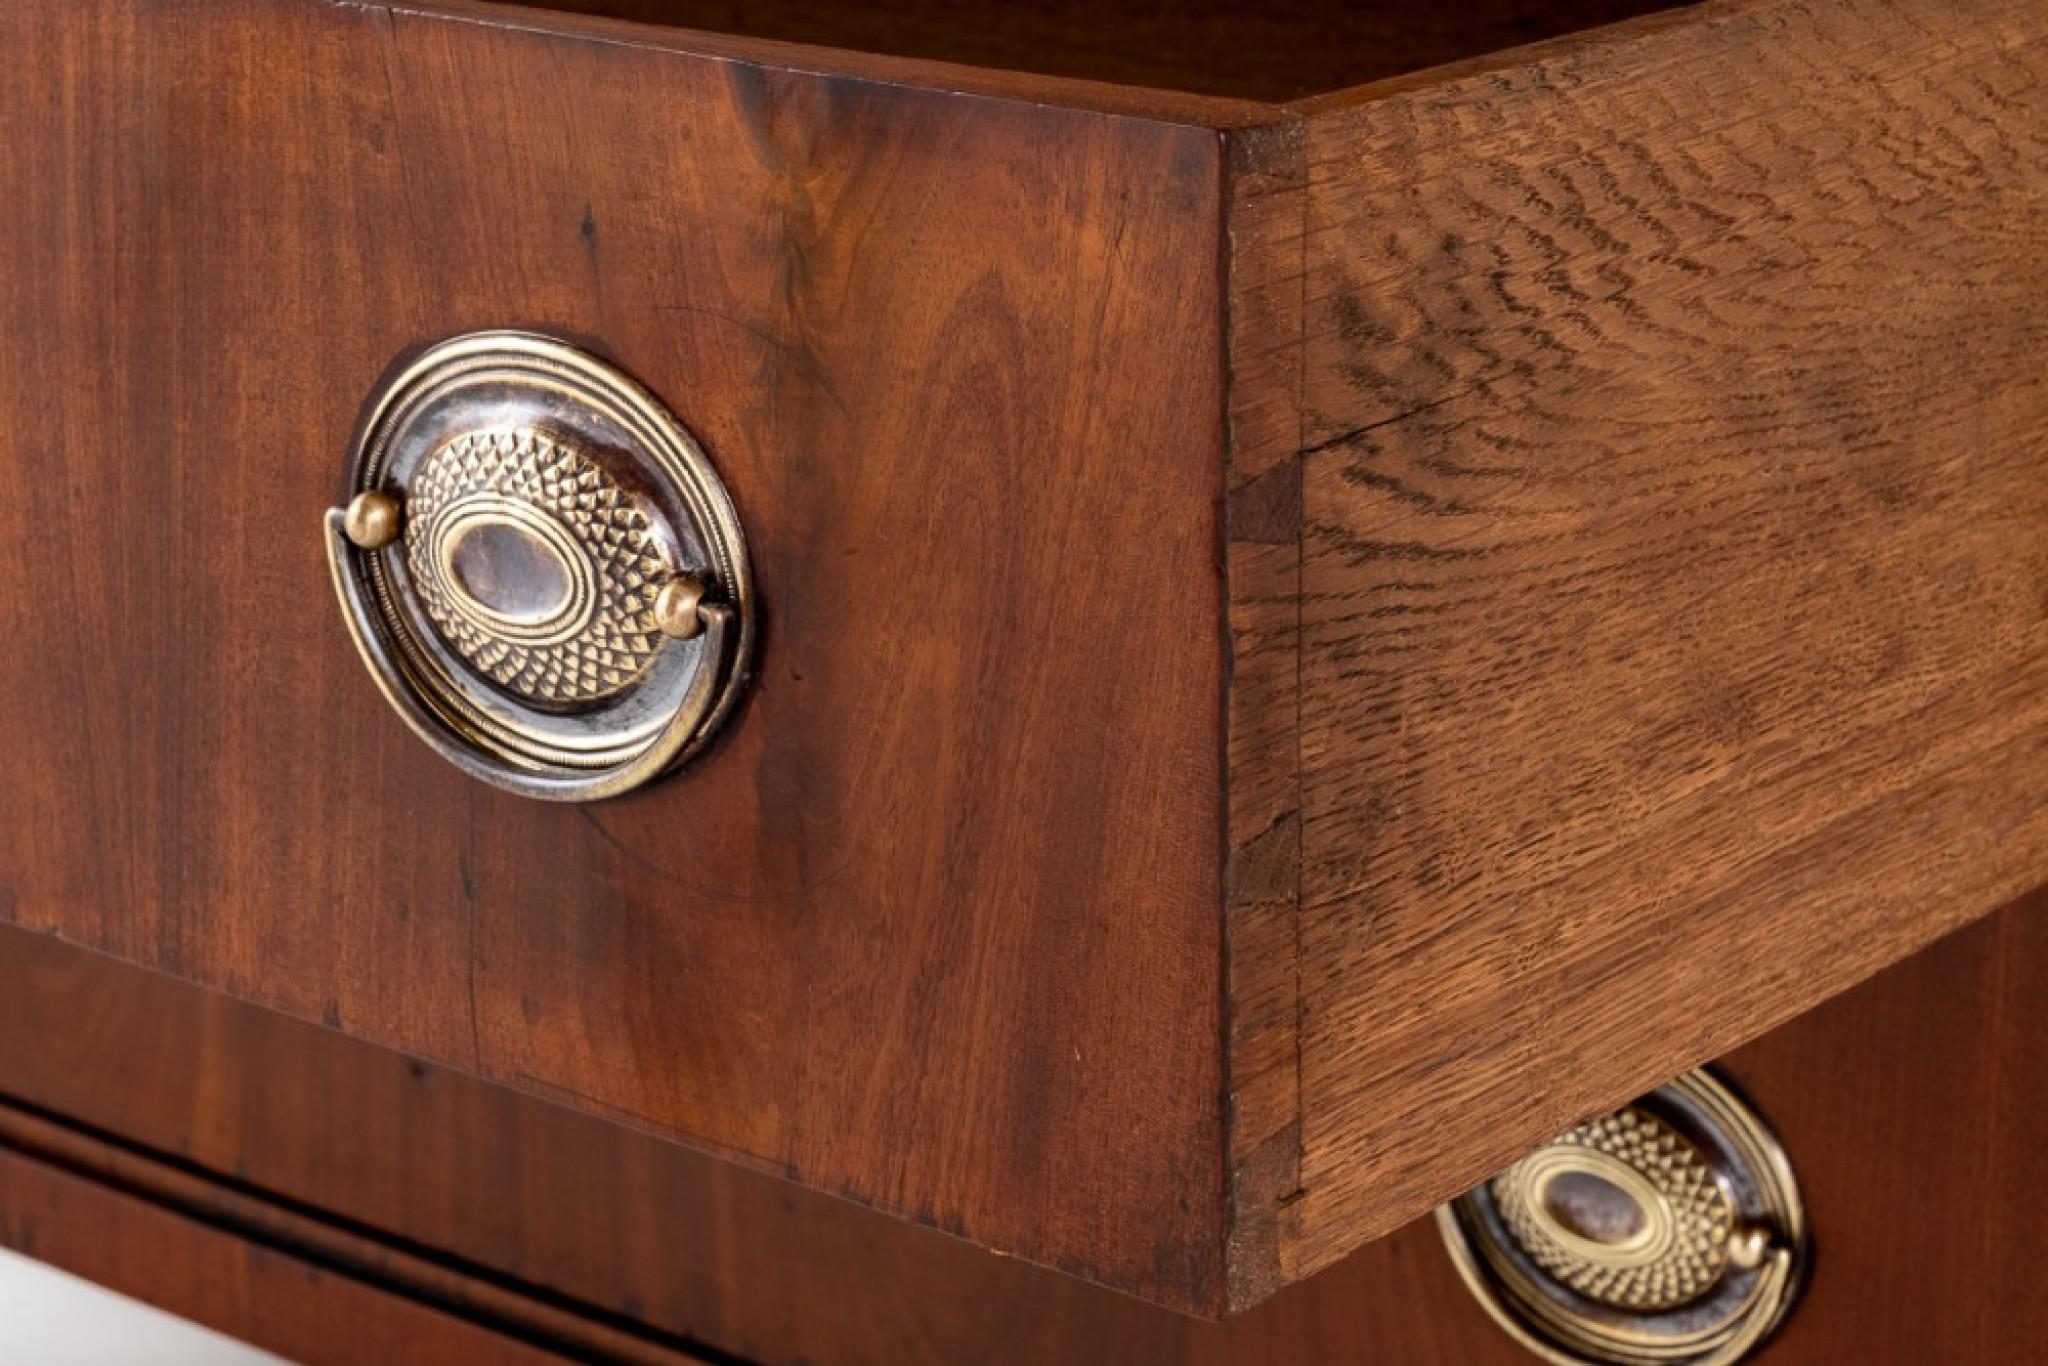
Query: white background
x,y
48,1318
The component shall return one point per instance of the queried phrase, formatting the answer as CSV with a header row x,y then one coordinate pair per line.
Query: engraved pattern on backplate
x,y
1691,1215
606,638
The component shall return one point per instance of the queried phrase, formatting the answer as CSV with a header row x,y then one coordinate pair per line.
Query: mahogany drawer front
x,y
1911,1109
1304,646
885,937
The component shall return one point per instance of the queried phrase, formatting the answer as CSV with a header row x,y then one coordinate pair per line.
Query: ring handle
x,y
540,569
1669,1231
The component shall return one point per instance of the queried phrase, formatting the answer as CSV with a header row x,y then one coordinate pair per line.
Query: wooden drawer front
x,y
897,932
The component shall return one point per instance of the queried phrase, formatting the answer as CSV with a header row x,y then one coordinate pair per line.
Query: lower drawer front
x,y
262,1295
1914,1110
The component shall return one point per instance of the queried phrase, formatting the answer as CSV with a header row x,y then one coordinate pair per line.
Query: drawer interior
x,y
1276,51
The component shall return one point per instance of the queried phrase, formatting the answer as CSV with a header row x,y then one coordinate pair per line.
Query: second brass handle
x,y
1667,1232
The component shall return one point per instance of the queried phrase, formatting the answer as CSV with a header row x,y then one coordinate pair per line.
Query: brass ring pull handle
x,y
541,569
1667,1232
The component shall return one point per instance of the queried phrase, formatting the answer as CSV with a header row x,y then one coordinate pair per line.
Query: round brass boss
x,y
1669,1231
371,520
541,568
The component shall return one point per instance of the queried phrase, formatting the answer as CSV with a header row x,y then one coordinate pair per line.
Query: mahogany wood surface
x,y
1672,492
261,1295
1918,1110
1912,1108
1306,646
371,1265
898,936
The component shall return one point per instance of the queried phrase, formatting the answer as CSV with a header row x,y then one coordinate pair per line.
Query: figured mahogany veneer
x,y
896,936
1913,1108
261,1294
1306,646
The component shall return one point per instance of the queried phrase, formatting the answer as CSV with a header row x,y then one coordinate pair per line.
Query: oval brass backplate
x,y
541,569
1667,1232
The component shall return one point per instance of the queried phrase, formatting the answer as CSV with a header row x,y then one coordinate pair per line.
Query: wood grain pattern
x,y
1674,626
375,1266
612,1223
1308,647
1262,559
1918,1099
259,1295
1913,1108
897,939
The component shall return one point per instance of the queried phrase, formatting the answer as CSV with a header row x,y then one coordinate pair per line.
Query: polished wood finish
x,y
1913,1108
1917,1109
261,1295
1306,645
897,938
179,1195
610,1224
1672,649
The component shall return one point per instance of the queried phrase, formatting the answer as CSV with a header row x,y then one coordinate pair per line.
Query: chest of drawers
x,y
1333,591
